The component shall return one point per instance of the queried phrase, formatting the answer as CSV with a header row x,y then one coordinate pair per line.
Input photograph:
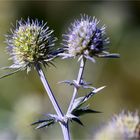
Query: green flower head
x,y
31,42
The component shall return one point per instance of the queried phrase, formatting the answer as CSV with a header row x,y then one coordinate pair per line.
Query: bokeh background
x,y
23,99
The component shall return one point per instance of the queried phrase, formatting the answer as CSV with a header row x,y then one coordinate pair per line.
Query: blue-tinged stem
x,y
57,108
65,130
79,77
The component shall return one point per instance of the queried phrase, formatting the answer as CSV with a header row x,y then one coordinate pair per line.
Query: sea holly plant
x,y
31,45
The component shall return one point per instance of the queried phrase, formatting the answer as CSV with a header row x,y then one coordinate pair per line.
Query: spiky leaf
x,y
88,96
83,111
81,100
77,120
10,73
44,123
109,55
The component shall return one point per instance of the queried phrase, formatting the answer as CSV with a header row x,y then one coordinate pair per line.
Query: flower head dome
x,y
29,43
86,38
124,126
127,124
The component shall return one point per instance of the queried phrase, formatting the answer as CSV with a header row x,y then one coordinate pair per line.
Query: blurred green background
x,y
22,97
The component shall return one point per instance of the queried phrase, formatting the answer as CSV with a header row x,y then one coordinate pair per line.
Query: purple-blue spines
x,y
85,38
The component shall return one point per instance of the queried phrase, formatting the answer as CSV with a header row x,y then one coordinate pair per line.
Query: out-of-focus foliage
x,y
22,97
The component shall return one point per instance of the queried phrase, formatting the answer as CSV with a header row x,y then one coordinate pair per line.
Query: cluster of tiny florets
x,y
123,126
126,124
29,43
85,38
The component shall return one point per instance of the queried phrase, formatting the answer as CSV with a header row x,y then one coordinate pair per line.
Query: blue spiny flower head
x,y
86,38
31,42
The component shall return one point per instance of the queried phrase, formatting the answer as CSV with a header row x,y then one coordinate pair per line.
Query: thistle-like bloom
x,y
31,42
124,126
86,38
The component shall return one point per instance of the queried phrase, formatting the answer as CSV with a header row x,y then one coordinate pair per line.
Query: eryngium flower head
x,y
86,38
29,43
124,126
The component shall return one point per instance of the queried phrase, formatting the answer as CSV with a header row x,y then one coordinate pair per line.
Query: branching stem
x,y
79,77
64,126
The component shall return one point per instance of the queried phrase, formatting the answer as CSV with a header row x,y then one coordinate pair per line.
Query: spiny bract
x,y
31,42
